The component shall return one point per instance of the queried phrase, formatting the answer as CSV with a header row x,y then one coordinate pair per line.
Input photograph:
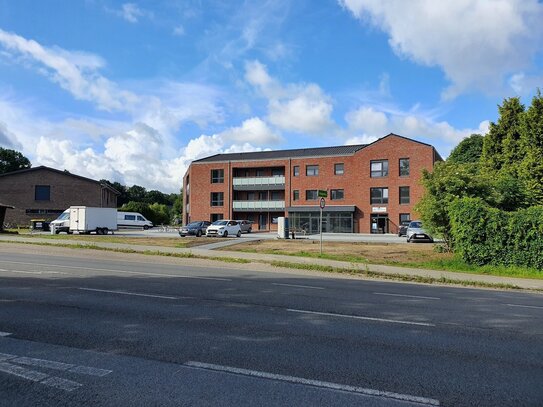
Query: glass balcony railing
x,y
277,182
259,205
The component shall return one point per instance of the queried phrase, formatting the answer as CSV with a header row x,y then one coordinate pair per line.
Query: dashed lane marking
x,y
524,306
166,297
409,296
329,314
299,286
5,333
315,383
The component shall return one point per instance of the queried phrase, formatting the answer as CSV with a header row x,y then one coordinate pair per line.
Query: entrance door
x,y
262,221
379,223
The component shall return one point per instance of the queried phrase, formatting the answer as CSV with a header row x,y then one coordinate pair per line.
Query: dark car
x,y
194,228
402,230
246,225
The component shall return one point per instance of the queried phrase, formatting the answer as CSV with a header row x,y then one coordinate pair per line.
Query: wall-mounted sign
x,y
323,193
379,209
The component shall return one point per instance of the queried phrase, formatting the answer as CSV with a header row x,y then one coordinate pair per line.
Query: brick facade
x,y
18,189
355,182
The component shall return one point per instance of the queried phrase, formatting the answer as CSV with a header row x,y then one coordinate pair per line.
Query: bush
x,y
484,235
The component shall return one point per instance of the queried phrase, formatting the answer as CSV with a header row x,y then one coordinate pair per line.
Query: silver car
x,y
416,233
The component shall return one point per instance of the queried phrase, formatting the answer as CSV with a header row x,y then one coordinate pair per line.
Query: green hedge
x,y
484,235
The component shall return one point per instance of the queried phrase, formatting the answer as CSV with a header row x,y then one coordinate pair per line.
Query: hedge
x,y
484,235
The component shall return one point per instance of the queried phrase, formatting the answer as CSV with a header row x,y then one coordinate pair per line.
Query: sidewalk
x,y
258,257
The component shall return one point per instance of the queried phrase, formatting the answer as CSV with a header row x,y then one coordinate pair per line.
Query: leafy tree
x,y
136,193
155,196
501,145
11,160
177,208
160,214
531,167
468,151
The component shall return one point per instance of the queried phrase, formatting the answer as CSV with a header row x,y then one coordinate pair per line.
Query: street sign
x,y
322,193
322,203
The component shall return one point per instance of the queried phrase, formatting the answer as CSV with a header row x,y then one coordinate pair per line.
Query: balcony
x,y
259,206
259,183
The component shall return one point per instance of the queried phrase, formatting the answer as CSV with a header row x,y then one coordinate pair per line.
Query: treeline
x,y
158,207
486,199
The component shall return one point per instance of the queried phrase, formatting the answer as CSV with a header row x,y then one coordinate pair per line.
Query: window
x,y
129,217
339,169
296,170
217,198
336,194
263,195
260,173
311,170
404,167
311,195
141,218
404,195
217,176
277,172
405,218
379,168
216,216
295,195
42,193
276,195
379,195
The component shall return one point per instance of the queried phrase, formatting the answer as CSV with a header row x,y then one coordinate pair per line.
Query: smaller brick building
x,y
44,193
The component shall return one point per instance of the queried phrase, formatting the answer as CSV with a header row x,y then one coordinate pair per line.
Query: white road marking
x,y
6,356
329,314
167,297
5,333
409,296
31,272
143,273
524,306
49,364
315,383
299,286
22,372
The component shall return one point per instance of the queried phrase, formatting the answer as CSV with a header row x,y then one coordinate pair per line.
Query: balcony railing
x,y
259,205
259,183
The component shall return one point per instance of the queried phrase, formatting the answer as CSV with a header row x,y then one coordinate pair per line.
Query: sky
x,y
134,91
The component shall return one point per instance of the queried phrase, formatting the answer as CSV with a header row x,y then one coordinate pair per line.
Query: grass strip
x,y
291,265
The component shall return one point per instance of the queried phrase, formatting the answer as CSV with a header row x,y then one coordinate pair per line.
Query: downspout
x,y
230,203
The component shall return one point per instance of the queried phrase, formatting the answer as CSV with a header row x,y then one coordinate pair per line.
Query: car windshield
x,y
193,224
220,222
417,225
64,215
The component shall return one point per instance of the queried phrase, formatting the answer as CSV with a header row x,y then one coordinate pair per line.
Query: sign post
x,y
321,204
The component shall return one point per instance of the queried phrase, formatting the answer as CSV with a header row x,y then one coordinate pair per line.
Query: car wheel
x,y
145,227
225,234
250,230
198,233
239,233
98,231
105,231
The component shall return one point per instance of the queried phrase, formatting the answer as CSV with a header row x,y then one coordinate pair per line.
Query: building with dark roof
x,y
370,188
43,193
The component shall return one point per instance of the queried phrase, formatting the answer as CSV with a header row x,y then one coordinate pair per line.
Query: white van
x,y
127,220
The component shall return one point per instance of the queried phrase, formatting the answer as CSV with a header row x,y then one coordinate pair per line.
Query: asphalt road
x,y
112,329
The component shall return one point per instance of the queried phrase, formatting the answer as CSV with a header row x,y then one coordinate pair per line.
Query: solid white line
x,y
5,333
31,272
329,314
409,296
524,306
299,286
167,297
315,383
118,271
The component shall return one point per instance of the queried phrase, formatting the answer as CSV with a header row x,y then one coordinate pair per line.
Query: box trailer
x,y
85,219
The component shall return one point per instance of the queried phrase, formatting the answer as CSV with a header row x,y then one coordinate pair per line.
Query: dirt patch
x,y
359,251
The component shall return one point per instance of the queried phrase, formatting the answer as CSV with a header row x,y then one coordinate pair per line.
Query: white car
x,y
224,227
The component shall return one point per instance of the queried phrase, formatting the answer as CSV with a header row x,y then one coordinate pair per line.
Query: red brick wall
x,y
356,181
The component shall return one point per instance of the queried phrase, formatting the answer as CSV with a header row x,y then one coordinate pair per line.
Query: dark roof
x,y
43,167
299,152
277,154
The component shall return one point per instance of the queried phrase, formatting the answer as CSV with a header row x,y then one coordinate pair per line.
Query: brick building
x,y
43,192
371,188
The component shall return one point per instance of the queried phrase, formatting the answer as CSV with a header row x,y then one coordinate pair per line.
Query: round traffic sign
x,y
322,203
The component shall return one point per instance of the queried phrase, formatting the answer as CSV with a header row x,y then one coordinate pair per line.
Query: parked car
x,y
246,225
224,227
197,228
415,232
402,230
133,220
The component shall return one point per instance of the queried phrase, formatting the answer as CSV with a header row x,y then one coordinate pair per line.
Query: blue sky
x,y
133,91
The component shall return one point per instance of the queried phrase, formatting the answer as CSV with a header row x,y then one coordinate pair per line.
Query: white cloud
x,y
253,130
366,118
477,43
131,12
302,108
179,31
7,138
75,72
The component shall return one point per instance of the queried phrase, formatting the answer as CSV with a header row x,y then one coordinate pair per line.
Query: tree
x,y
501,145
11,160
136,193
155,196
468,150
177,209
531,166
